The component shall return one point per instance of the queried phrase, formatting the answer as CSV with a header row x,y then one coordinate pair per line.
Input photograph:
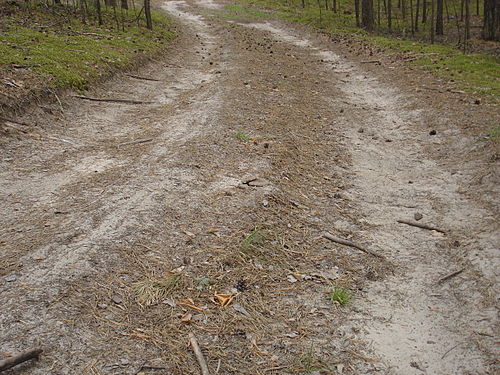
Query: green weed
x,y
242,137
340,295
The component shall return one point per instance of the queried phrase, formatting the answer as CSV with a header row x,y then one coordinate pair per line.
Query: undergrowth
x,y
65,52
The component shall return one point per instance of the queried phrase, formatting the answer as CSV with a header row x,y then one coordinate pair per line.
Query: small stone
x,y
477,101
291,279
361,130
432,132
102,305
388,140
337,196
10,278
124,361
265,203
117,299
418,216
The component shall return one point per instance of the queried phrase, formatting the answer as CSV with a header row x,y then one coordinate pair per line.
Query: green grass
x,y
242,137
475,72
72,54
340,295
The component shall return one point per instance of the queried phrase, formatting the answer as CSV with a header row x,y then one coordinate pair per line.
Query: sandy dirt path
x,y
121,222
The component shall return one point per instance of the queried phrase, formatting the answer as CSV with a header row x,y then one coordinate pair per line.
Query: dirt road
x,y
121,222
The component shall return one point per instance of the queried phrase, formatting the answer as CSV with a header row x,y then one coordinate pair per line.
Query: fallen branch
x,y
143,78
126,101
423,226
453,274
198,354
328,236
8,363
371,62
136,142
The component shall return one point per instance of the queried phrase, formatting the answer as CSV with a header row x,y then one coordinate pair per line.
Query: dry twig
x,y
8,363
341,241
125,101
423,226
198,354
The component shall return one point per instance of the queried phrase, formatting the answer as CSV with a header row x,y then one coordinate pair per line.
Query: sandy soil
x,y
259,138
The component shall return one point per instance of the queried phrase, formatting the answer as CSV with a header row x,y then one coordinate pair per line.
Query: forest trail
x,y
257,138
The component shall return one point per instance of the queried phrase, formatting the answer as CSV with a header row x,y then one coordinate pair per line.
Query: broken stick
x,y
143,78
453,274
137,141
341,241
8,363
423,226
125,101
198,354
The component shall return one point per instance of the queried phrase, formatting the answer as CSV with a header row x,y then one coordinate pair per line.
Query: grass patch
x,y
475,72
242,137
151,290
64,52
340,295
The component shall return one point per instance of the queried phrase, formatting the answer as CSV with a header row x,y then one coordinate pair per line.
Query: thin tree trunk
x,y
432,22
389,14
424,11
147,11
411,18
97,5
467,25
356,10
124,4
416,15
439,18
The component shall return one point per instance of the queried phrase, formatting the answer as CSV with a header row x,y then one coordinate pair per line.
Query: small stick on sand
x,y
423,226
125,101
453,274
328,236
198,354
8,363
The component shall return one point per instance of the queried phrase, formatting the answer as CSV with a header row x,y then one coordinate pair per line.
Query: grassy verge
x,y
55,49
477,73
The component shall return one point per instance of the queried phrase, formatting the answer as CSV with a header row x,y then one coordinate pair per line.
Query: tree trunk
x,y
356,10
491,25
416,15
432,22
424,11
147,11
97,5
124,4
439,18
367,13
389,14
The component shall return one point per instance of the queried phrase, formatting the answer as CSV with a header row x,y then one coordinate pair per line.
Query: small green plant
x,y
340,295
255,238
242,137
309,362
